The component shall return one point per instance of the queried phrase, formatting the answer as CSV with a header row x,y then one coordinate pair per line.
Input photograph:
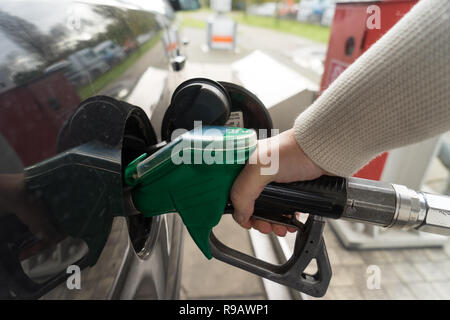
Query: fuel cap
x,y
197,99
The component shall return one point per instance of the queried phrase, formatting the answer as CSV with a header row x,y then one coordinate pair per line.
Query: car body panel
x,y
48,66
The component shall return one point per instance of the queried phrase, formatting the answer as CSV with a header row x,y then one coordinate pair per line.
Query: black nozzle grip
x,y
325,196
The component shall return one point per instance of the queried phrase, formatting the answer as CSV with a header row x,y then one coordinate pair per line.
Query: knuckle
x,y
234,197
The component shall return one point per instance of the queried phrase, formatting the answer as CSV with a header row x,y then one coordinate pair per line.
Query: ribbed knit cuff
x,y
325,149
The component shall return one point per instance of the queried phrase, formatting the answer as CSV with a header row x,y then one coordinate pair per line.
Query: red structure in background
x,y
350,37
33,114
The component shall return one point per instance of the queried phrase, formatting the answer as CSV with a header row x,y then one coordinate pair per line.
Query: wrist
x,y
295,165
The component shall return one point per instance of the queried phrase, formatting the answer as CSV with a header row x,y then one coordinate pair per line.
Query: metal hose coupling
x,y
421,211
410,208
437,219
396,206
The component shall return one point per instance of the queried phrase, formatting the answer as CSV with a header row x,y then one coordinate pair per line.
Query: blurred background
x,y
287,52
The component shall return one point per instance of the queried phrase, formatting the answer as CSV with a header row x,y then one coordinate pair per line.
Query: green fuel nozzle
x,y
192,176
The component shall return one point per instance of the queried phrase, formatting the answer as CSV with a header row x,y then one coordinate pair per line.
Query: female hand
x,y
283,156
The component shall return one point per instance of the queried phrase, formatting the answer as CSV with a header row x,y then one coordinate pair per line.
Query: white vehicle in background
x,y
87,62
143,38
267,9
328,15
78,78
316,11
110,52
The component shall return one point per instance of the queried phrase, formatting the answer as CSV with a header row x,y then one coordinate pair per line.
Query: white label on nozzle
x,y
236,119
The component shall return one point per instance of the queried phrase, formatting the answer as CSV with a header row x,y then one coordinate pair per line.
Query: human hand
x,y
293,165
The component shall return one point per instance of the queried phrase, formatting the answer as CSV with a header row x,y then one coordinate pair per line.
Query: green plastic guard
x,y
193,176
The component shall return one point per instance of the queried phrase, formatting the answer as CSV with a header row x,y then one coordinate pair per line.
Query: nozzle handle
x,y
309,245
278,202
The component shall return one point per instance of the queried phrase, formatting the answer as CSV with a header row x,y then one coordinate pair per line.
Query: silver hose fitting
x,y
396,206
370,202
437,219
410,208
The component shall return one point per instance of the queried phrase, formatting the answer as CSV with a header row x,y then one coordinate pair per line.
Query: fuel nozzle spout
x,y
396,206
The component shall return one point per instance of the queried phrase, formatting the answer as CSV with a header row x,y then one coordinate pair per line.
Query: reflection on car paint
x,y
55,55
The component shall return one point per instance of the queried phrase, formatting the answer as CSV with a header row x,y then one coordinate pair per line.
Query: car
x,y
328,15
185,4
76,77
266,9
110,52
88,62
66,233
316,11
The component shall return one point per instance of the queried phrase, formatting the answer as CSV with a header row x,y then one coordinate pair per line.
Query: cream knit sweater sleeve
x,y
396,93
